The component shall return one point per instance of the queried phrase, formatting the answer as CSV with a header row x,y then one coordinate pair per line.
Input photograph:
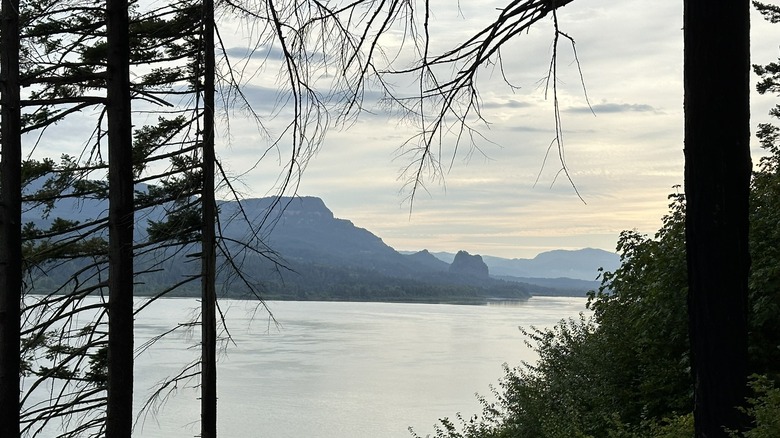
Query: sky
x,y
503,198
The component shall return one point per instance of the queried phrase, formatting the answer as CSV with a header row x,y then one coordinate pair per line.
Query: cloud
x,y
520,128
613,108
262,53
266,53
507,104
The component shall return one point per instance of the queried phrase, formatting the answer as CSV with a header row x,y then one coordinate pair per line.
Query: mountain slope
x,y
304,230
322,257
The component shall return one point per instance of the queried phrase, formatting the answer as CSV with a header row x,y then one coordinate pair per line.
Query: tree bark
x,y
10,220
208,266
119,412
717,184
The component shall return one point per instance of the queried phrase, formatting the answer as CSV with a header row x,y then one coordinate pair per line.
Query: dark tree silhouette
x,y
70,60
717,189
10,220
119,409
169,45
208,235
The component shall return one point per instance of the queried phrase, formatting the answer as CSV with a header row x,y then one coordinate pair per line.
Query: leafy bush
x,y
763,409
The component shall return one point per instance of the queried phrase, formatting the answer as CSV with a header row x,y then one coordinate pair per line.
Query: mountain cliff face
x,y
304,230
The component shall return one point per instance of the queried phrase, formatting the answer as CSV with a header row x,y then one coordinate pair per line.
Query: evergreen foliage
x,y
624,370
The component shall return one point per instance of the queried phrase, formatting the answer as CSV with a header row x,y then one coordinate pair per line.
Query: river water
x,y
338,369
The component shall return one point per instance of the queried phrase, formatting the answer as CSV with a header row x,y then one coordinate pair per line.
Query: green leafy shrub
x,y
763,409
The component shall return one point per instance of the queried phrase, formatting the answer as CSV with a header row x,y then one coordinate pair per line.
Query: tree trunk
x,y
120,221
717,184
208,278
10,220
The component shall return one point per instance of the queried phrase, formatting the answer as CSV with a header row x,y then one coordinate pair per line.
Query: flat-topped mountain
x,y
304,230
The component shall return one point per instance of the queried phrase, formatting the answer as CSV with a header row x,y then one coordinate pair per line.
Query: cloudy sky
x,y
624,160
502,198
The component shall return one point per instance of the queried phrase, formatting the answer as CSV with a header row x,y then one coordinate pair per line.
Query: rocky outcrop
x,y
469,265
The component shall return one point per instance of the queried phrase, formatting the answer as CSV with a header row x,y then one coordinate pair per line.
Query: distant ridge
x,y
326,258
425,258
580,264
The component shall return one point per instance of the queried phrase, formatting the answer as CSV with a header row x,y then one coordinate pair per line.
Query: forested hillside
x,y
625,370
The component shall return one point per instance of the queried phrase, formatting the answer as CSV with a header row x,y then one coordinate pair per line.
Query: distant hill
x,y
581,264
320,258
331,258
303,229
425,258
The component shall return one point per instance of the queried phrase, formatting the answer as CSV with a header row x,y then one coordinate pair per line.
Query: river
x,y
339,369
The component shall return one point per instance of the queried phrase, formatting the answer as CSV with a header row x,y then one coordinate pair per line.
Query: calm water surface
x,y
335,369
